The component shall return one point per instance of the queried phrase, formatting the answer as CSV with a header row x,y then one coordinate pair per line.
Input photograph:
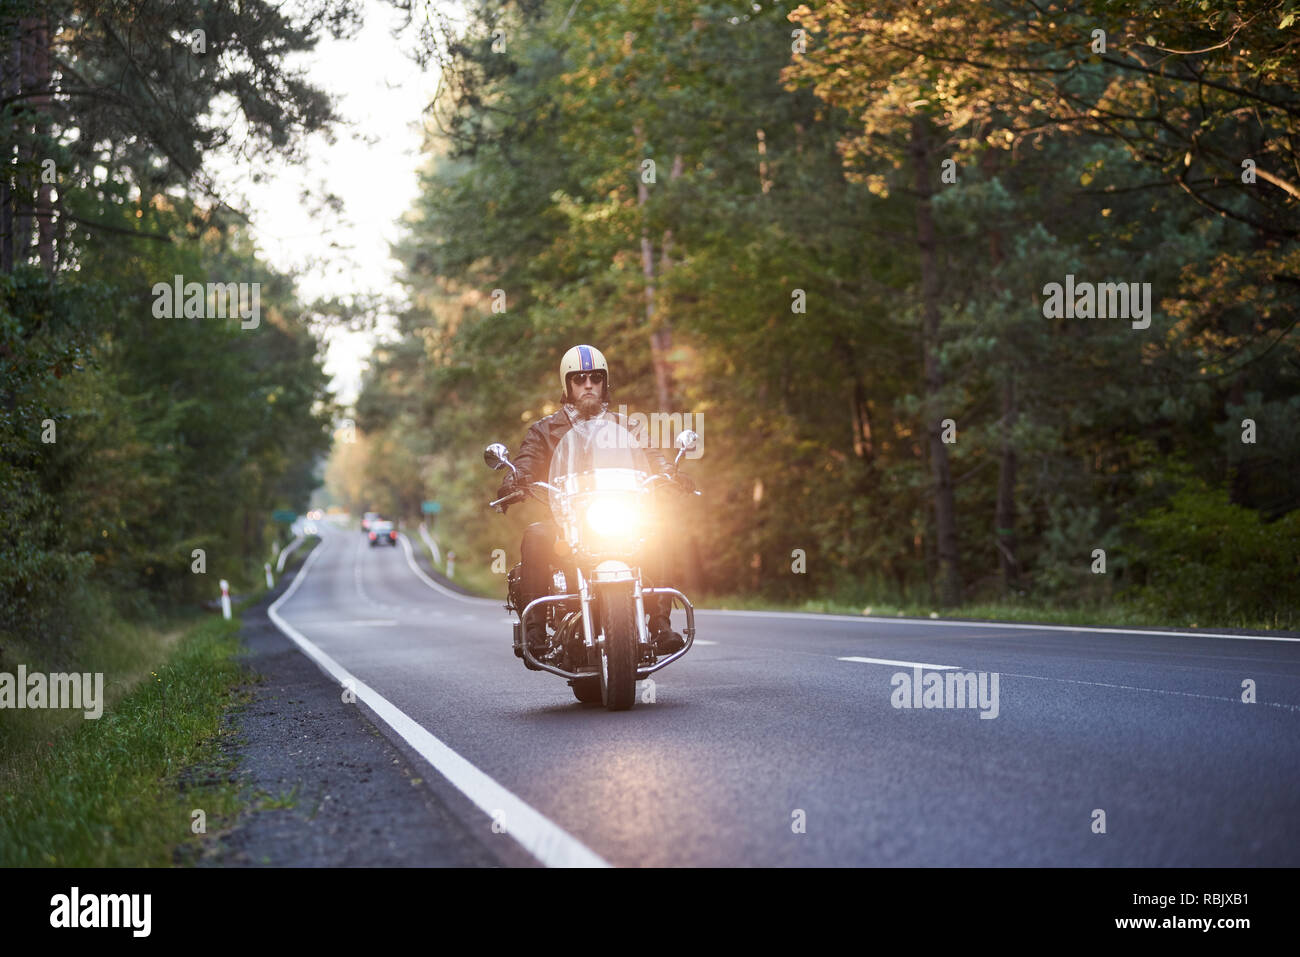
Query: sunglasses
x,y
597,378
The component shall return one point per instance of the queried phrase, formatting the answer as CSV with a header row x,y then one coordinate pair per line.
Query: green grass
x,y
476,577
120,791
284,800
1110,614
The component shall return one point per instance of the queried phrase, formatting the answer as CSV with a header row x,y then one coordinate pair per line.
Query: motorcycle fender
x,y
613,571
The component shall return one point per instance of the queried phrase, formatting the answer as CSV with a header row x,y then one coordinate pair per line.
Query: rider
x,y
584,375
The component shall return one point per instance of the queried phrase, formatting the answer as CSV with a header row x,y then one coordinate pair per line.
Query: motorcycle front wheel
x,y
618,649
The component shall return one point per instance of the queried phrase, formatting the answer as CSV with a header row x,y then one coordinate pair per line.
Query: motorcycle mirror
x,y
497,456
687,441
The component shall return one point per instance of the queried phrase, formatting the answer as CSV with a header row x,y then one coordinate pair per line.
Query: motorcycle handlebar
x,y
511,497
508,498
670,479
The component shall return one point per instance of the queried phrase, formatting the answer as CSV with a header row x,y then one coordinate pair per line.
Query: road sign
x,y
284,515
431,508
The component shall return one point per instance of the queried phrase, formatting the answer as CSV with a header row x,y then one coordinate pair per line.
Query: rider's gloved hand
x,y
512,483
684,482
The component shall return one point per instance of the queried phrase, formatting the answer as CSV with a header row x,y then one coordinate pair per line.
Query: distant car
x,y
367,519
382,533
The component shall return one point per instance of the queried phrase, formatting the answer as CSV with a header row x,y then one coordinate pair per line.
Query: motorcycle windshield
x,y
597,455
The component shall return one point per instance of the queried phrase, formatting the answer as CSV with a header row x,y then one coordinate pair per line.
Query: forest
x,y
974,302
144,448
970,302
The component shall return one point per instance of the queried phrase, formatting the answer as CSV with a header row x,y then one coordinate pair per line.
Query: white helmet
x,y
582,359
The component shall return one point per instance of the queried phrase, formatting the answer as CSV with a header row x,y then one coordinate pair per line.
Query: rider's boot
x,y
539,642
665,640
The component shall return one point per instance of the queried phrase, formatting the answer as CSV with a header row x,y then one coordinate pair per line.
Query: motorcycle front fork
x,y
589,632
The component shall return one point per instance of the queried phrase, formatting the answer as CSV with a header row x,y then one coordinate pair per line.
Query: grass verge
x,y
126,789
121,791
475,577
1108,615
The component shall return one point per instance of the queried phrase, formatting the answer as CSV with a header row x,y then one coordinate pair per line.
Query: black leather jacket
x,y
534,458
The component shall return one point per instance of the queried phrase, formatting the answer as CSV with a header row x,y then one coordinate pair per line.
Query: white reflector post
x,y
225,599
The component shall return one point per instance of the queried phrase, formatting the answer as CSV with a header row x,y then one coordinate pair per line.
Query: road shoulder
x,y
326,787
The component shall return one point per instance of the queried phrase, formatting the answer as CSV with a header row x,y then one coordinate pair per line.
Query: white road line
x,y
433,546
905,664
699,641
949,623
1183,694
288,550
410,560
358,621
539,836
356,577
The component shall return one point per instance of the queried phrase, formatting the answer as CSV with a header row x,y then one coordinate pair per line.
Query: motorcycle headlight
x,y
614,517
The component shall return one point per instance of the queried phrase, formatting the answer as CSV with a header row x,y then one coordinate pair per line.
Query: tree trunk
x,y
1005,516
40,55
8,88
945,516
660,331
29,30
862,445
1239,484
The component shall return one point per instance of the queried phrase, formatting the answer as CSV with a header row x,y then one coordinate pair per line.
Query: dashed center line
x,y
905,664
1181,694
358,622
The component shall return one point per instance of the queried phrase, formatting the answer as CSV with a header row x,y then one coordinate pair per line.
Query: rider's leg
x,y
537,550
658,566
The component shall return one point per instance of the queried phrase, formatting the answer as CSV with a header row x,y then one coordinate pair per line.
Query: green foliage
x,y
777,172
1202,557
103,792
128,440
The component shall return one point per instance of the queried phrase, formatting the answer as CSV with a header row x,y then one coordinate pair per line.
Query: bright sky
x,y
371,167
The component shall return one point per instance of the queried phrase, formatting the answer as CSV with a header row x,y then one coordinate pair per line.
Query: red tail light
x,y
372,536
393,536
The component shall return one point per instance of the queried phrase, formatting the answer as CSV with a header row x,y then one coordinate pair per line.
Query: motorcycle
x,y
600,494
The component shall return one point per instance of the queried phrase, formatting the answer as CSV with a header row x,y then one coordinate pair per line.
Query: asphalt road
x,y
765,747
